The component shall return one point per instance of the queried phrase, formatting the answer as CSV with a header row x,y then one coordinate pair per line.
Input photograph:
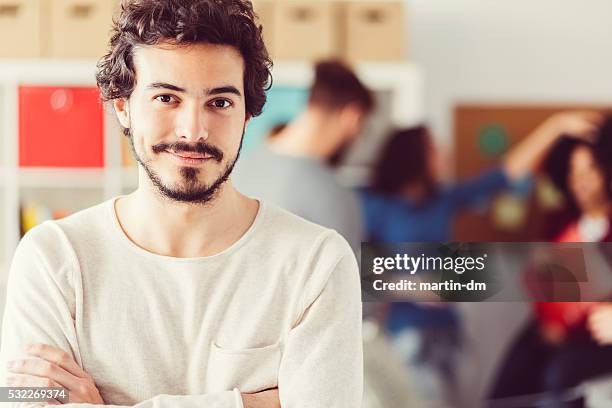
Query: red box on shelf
x,y
60,127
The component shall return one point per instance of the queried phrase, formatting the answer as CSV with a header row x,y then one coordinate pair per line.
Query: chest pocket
x,y
249,370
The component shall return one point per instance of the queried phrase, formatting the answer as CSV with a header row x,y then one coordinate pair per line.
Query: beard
x,y
189,189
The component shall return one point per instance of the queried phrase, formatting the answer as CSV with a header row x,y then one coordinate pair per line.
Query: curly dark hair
x,y
403,162
184,22
557,164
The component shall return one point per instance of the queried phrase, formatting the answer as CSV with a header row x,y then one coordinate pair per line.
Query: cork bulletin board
x,y
482,134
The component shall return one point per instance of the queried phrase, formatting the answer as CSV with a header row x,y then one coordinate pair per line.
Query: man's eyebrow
x,y
223,89
209,91
164,85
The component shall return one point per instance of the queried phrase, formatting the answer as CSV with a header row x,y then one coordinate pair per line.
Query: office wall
x,y
510,51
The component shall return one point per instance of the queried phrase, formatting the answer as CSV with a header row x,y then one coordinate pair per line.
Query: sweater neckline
x,y
118,231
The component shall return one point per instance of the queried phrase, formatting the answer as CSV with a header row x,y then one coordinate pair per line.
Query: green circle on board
x,y
492,140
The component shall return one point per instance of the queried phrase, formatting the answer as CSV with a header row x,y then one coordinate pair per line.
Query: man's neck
x,y
183,230
308,135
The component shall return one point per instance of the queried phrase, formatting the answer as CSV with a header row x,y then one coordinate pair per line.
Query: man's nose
x,y
192,124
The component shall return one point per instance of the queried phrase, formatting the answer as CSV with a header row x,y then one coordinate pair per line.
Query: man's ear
x,y
351,115
122,110
247,120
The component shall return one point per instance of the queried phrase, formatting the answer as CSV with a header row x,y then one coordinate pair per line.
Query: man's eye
x,y
221,103
165,98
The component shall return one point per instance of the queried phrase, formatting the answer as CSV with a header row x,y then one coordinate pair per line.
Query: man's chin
x,y
188,195
183,187
183,177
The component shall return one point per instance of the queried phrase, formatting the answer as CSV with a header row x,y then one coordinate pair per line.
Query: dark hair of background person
x,y
557,167
276,130
403,162
557,163
336,86
185,22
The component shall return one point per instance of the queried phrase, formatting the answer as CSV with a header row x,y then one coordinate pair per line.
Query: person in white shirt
x,y
185,293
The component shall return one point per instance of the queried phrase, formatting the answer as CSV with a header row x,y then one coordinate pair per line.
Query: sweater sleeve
x,y
40,308
322,364
40,298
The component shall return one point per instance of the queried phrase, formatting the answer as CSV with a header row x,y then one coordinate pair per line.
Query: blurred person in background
x,y
407,203
567,343
581,171
292,168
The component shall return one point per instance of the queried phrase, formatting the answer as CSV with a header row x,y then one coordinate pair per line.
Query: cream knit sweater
x,y
279,308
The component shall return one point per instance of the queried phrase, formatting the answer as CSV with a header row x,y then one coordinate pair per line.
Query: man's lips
x,y
190,157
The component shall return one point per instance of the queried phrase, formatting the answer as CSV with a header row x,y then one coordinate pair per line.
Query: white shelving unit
x,y
48,184
81,188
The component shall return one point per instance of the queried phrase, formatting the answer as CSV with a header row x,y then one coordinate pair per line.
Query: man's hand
x,y
264,399
600,324
54,368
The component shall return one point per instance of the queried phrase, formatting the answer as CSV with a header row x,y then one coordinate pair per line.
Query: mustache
x,y
200,147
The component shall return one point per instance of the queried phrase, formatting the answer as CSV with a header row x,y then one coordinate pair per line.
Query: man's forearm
x,y
264,399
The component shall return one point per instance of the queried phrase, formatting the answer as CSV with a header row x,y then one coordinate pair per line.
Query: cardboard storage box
x,y
20,28
306,30
79,28
374,31
60,127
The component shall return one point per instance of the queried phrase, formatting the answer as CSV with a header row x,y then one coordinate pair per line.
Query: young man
x,y
338,106
185,293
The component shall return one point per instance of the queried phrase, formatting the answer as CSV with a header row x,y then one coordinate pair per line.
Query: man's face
x,y
186,117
